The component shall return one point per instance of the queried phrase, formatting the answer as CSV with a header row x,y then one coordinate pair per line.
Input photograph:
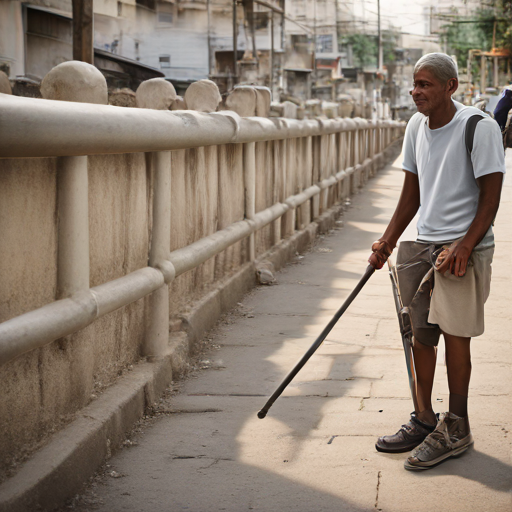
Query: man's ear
x,y
453,85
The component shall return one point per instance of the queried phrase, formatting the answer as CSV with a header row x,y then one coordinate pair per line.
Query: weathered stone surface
x,y
179,104
346,105
26,87
156,93
263,99
358,95
276,109
314,108
202,96
122,98
75,81
242,100
289,110
330,109
5,85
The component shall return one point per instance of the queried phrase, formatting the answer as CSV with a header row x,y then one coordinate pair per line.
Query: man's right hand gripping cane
x,y
381,251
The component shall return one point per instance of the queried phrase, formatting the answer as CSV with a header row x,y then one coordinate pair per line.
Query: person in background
x,y
503,107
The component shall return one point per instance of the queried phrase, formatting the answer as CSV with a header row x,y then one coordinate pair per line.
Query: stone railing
x,y
115,219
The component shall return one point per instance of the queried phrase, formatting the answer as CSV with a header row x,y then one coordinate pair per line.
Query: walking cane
x,y
305,358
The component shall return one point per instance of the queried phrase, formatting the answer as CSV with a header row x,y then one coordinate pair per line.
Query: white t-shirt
x,y
446,172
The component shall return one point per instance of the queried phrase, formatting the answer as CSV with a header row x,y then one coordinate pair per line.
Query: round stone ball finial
x,y
242,100
75,81
156,93
202,96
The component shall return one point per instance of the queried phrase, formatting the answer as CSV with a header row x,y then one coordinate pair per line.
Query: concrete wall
x,y
42,390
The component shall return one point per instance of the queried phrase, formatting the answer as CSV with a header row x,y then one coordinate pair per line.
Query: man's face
x,y
429,93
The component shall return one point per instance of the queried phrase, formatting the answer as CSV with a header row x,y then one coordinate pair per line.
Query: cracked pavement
x,y
315,449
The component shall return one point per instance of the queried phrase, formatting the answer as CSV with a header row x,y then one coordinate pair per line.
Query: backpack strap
x,y
470,131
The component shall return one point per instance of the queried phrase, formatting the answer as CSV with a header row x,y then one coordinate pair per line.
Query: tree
x,y
465,34
488,23
364,48
389,44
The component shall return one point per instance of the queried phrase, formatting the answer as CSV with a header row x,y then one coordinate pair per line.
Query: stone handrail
x,y
125,232
35,128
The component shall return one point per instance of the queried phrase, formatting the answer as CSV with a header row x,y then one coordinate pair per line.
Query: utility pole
x,y
235,43
249,9
83,31
380,63
272,53
496,75
208,13
483,74
283,45
314,43
495,59
337,16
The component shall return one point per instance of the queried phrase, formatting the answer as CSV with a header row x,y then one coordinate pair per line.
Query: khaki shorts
x,y
437,302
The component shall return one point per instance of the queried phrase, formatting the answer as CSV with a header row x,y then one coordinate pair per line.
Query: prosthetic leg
x,y
404,322
412,283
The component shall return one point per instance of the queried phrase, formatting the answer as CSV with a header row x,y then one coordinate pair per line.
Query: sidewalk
x,y
315,449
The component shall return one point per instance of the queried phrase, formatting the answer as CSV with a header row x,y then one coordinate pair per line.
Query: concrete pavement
x,y
207,451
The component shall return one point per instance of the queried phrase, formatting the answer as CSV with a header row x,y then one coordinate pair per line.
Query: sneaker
x,y
408,437
451,437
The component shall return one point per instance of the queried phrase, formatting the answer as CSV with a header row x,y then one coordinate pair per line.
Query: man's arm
x,y
405,211
456,259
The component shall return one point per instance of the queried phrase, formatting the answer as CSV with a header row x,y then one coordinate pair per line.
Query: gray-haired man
x,y
457,194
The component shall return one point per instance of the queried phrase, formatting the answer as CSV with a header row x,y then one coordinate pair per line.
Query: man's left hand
x,y
454,258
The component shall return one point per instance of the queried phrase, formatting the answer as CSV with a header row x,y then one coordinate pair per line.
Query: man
x,y
457,195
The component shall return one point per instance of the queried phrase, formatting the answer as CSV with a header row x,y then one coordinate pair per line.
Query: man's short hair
x,y
442,66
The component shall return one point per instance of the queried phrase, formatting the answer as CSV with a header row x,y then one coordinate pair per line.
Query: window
x,y
324,43
165,61
260,20
165,17
165,13
150,4
49,25
300,43
119,8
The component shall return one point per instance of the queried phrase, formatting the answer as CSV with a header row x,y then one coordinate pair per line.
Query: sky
x,y
405,15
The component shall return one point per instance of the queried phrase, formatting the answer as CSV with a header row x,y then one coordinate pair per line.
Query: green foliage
x,y
389,44
462,37
364,48
476,31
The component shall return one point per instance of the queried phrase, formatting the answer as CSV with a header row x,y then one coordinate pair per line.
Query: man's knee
x,y
418,346
457,344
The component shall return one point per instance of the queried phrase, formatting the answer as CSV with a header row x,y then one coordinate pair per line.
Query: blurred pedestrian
x,y
501,115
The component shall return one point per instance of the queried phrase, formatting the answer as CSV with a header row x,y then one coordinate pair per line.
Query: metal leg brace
x,y
404,321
